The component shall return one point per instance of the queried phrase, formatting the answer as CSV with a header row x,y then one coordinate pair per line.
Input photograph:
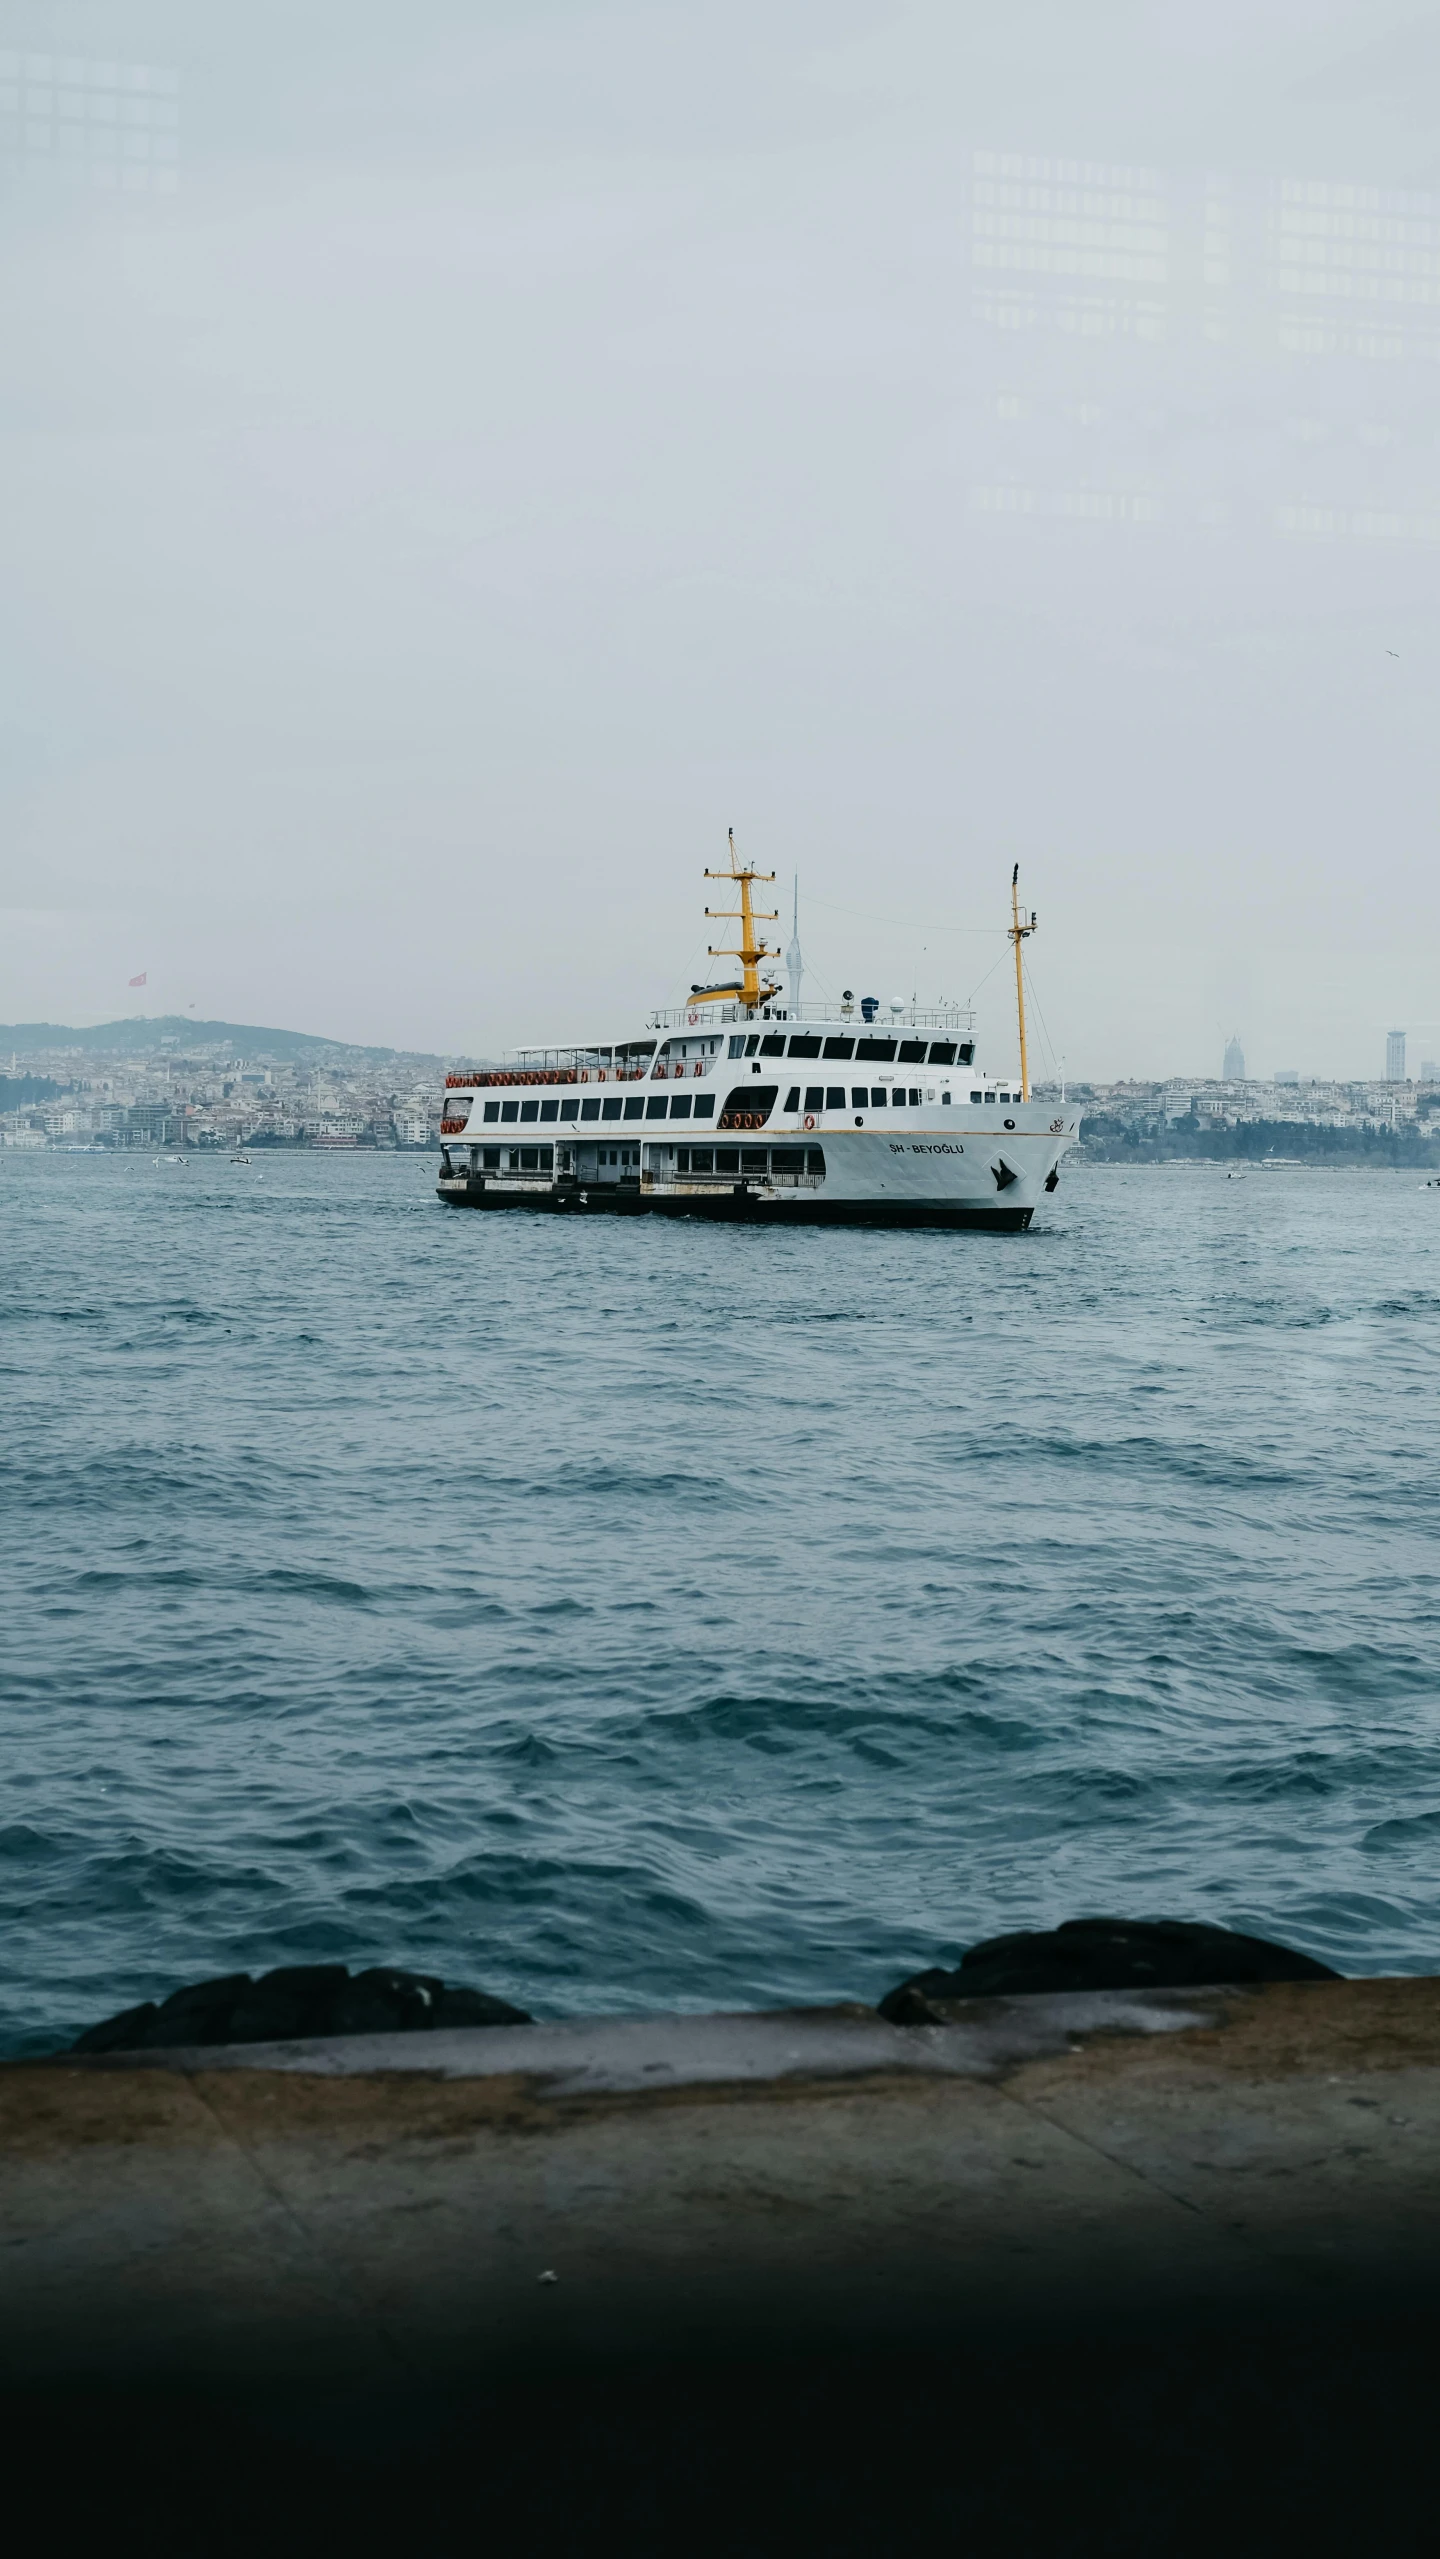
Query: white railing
x,y
918,1017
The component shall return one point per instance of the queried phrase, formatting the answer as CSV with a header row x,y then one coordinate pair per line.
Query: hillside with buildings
x,y
176,1083
1287,1120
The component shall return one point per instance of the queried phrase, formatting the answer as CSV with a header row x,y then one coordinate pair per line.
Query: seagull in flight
x,y
1392,653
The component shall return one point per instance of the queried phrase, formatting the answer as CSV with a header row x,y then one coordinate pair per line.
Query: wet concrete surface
x,y
647,2240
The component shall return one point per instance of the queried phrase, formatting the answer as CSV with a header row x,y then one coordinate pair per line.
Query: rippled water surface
x,y
631,1615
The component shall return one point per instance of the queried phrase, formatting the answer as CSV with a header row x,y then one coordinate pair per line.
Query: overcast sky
x,y
460,459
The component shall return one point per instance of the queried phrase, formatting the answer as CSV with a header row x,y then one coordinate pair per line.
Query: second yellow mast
x,y
1019,934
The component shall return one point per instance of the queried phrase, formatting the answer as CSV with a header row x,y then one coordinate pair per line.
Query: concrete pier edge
x,y
601,2227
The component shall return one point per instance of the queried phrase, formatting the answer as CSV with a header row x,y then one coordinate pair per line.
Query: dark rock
x,y
200,2014
1099,1954
386,2002
294,2001
476,2008
122,2034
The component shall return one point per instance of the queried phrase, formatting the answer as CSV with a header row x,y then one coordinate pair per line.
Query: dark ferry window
x,y
704,1106
808,1046
815,1159
655,1109
787,1159
737,1045
509,1110
491,1156
529,1158
727,1159
839,1048
753,1159
977,1097
942,1052
877,1097
834,1097
752,1044
860,1097
914,1099
880,1052
912,1052
748,1105
547,1159
701,1159
967,1052
771,1047
610,1109
635,1106
945,1098
814,1097
492,1110
568,1110
989,1097
589,1110
529,1110
682,1159
680,1105
792,1098
549,1110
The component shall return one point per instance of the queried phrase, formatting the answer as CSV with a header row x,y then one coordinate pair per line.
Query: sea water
x,y
635,1615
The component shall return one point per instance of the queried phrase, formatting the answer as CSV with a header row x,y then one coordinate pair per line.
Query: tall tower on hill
x,y
1234,1061
794,965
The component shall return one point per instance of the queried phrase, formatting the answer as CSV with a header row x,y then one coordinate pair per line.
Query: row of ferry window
x,y
632,1106
872,1097
877,1051
688,1159
701,1106
749,1159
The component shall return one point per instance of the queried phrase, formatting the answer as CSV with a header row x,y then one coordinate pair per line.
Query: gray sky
x,y
476,454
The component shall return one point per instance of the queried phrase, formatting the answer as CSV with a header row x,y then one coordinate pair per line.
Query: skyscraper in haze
x,y
795,966
1395,1057
1234,1061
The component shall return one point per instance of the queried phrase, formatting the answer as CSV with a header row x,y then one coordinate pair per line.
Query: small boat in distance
x,y
239,1159
736,1105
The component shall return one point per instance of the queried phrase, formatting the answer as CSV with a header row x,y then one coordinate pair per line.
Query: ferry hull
x,y
739,1206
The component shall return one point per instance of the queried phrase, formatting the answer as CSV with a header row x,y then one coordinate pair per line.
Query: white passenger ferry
x,y
735,1105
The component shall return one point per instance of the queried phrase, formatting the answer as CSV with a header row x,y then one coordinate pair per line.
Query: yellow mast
x,y
750,952
1019,935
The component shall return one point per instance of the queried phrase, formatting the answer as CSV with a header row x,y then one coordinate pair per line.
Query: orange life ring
x,y
809,1119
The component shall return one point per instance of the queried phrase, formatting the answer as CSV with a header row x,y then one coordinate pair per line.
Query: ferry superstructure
x,y
737,1106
